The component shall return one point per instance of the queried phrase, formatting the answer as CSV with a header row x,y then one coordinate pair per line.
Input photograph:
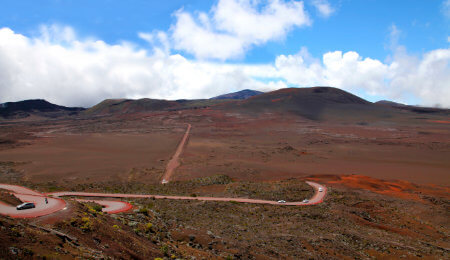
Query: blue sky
x,y
359,25
407,30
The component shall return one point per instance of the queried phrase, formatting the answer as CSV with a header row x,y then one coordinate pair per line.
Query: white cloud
x,y
323,7
394,36
426,78
233,26
65,70
446,8
72,72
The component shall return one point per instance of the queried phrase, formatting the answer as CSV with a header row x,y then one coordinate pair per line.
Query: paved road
x,y
27,195
112,207
175,160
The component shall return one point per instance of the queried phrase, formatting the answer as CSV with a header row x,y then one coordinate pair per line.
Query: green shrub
x,y
97,207
87,224
143,211
165,249
148,227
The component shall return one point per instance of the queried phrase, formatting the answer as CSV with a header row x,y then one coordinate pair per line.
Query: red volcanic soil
x,y
91,157
394,188
439,121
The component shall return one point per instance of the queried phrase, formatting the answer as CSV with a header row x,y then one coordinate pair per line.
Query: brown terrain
x,y
386,169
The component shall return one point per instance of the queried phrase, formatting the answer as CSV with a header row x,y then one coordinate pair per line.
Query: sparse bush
x,y
143,211
87,224
148,227
164,249
97,207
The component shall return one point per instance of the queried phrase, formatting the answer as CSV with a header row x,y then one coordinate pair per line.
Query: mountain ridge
x,y
242,94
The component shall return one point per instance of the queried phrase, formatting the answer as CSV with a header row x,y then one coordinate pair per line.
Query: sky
x,y
80,52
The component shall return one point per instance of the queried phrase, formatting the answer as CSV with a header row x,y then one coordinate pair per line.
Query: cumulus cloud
x,y
69,71
323,7
233,26
64,69
426,78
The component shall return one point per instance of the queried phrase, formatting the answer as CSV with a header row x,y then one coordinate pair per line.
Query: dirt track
x,y
175,160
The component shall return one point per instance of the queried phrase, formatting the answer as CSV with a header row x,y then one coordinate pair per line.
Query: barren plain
x,y
387,179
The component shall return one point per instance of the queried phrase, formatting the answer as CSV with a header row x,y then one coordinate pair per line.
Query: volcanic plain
x,y
386,169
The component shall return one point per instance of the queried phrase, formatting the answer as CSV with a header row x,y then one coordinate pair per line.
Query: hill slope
x,y
40,107
313,103
128,106
416,109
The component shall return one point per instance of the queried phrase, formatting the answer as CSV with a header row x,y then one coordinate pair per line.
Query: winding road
x,y
56,203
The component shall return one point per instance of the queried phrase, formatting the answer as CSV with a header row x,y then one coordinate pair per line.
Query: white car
x,y
26,205
305,201
164,181
320,189
281,201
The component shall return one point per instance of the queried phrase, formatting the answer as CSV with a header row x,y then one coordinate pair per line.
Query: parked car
x,y
320,189
281,201
26,205
305,201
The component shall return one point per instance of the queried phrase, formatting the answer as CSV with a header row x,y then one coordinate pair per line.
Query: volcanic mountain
x,y
128,106
314,103
243,94
37,107
416,109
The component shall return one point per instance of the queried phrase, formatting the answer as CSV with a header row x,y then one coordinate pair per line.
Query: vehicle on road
x,y
305,201
26,205
281,201
320,189
164,181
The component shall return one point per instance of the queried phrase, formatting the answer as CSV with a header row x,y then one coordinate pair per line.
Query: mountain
x,y
243,94
390,103
39,107
145,105
416,109
124,106
313,103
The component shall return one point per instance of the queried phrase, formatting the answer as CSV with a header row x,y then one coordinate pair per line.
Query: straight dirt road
x,y
175,160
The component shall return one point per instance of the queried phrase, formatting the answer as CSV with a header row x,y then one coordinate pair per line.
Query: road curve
x,y
175,160
112,207
27,195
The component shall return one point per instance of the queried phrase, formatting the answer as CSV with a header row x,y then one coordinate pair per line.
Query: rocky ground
x,y
388,187
351,223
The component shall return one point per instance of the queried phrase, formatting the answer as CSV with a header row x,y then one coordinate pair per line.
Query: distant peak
x,y
242,94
